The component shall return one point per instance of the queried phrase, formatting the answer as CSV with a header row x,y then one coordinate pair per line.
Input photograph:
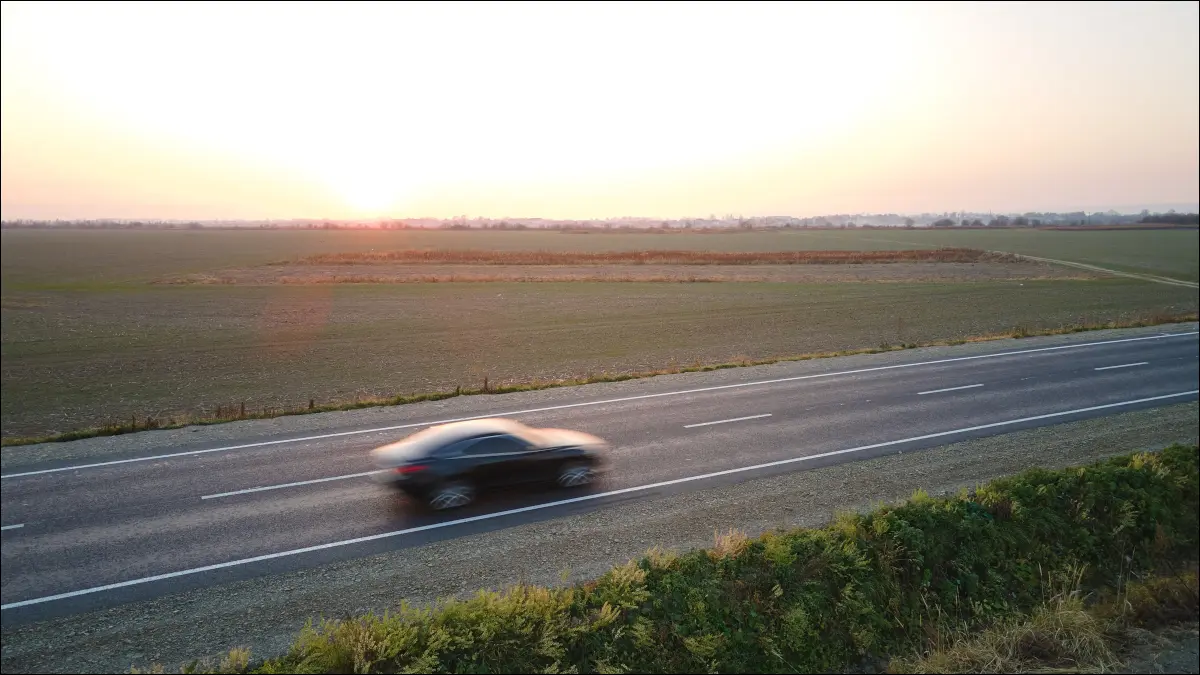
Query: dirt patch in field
x,y
402,273
648,257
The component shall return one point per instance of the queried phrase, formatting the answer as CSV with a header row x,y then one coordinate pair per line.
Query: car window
x,y
454,449
495,445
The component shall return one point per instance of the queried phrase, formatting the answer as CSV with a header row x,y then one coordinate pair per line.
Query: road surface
x,y
96,533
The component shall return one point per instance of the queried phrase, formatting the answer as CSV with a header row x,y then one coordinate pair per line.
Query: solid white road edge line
x,y
1124,365
12,527
940,391
574,500
288,485
735,419
684,392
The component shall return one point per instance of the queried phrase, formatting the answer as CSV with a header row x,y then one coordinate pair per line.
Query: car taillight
x,y
412,468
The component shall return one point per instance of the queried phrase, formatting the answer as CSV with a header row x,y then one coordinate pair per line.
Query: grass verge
x,y
231,413
1070,634
1017,557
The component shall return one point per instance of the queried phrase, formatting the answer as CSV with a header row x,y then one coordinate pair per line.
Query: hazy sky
x,y
277,110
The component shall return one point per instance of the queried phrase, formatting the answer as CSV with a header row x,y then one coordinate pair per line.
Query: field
x,y
386,273
62,259
88,338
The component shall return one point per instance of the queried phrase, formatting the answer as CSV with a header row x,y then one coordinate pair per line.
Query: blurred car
x,y
445,466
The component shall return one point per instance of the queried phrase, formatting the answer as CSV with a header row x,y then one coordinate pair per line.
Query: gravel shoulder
x,y
265,613
1173,650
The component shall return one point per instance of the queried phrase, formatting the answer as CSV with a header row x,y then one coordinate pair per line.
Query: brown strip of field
x,y
432,273
472,257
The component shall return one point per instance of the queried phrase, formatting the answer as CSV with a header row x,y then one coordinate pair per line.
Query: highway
x,y
102,532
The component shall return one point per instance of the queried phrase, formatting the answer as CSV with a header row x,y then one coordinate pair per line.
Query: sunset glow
x,y
252,110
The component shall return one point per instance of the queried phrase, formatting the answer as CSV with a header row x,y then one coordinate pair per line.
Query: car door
x,y
500,460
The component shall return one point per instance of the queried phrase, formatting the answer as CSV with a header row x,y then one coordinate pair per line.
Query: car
x,y
445,466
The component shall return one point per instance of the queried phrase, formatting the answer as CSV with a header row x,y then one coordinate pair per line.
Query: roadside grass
x,y
225,414
1046,569
648,257
1072,632
1061,636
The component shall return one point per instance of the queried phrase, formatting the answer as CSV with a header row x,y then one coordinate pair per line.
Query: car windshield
x,y
531,436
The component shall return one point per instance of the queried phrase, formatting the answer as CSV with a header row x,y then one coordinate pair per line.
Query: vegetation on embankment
x,y
1069,634
891,584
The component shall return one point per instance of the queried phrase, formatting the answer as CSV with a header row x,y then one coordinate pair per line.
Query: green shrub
x,y
817,600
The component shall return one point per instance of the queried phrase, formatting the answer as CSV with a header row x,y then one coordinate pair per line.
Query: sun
x,y
369,190
367,199
367,196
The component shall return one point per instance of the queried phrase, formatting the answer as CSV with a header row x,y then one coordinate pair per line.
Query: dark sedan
x,y
445,466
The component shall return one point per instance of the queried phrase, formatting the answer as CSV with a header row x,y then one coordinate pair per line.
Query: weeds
x,y
728,545
1063,637
1158,601
1067,635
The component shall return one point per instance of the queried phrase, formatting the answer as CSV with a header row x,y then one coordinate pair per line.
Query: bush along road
x,y
864,589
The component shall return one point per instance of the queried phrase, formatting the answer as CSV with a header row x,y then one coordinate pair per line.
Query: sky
x,y
250,110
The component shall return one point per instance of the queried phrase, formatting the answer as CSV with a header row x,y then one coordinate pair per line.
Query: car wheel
x,y
575,475
451,496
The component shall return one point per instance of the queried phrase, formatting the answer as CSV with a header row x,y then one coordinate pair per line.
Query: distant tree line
x,y
1172,219
1080,219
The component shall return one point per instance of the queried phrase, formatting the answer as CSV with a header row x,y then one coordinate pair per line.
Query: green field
x,y
86,341
78,258
1169,253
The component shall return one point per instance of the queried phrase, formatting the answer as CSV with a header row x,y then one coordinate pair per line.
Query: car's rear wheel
x,y
451,495
575,475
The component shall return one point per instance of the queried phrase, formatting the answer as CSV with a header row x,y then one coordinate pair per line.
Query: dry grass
x,y
1060,637
728,545
478,257
20,303
1159,601
1067,635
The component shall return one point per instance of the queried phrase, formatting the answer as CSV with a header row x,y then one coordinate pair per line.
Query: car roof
x,y
432,438
456,431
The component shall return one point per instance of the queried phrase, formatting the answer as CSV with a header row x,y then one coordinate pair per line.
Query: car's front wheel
x,y
451,495
575,475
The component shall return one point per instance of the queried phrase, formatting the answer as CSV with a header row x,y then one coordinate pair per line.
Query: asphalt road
x,y
101,532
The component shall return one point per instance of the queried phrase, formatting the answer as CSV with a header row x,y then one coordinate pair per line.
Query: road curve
x,y
96,533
